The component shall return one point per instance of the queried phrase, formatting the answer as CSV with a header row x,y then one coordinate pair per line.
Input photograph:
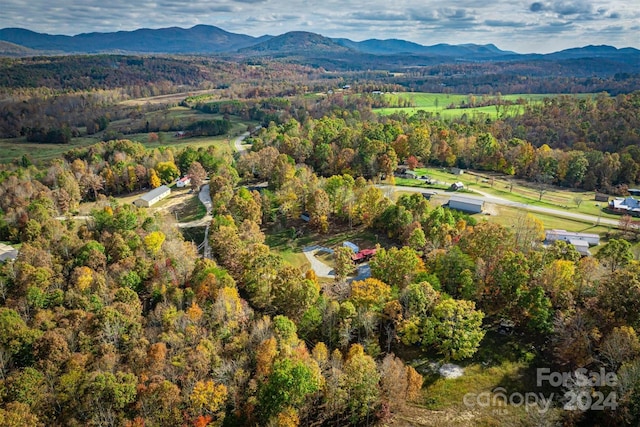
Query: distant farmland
x,y
450,106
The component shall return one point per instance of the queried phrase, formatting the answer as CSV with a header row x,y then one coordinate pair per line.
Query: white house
x,y
153,197
466,204
572,237
183,182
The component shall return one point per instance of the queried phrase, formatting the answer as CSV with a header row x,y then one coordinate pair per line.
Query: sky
x,y
523,26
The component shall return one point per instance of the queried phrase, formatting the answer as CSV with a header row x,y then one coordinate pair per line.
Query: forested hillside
x,y
115,315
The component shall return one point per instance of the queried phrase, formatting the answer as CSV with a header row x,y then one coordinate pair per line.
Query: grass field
x,y
516,190
448,106
15,148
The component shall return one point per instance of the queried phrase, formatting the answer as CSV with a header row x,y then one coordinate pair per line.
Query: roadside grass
x,y
516,190
508,217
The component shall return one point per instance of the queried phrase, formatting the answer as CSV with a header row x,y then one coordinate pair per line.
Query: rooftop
x,y
155,193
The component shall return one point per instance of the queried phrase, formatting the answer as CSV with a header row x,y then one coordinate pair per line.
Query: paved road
x,y
504,202
241,148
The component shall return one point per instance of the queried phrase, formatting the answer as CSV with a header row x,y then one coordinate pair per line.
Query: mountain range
x,y
315,48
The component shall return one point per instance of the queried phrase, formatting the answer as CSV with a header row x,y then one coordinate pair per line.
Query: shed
x,y
428,195
466,204
364,255
634,191
456,171
153,197
581,246
7,252
457,186
572,237
351,246
601,197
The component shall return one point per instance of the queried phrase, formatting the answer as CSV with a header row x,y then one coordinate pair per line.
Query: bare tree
x,y
578,201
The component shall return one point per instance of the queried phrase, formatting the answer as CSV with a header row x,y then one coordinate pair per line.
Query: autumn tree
x,y
197,174
344,265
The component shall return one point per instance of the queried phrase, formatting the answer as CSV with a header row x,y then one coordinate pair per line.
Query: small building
x,y
634,191
466,204
581,246
457,186
363,255
571,237
403,171
183,182
153,197
351,246
601,197
428,195
456,171
7,252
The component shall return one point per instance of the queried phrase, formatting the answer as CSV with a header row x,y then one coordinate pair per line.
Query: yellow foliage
x,y
194,313
370,292
208,396
84,278
154,179
153,241
288,418
414,383
320,353
355,350
265,354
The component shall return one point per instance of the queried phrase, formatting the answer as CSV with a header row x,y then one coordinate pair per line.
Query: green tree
x,y
397,267
360,381
616,253
289,384
167,171
454,328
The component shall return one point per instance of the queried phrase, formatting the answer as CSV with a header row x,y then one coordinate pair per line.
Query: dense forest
x,y
116,319
583,143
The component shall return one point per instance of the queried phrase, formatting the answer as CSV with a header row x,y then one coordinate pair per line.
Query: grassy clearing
x,y
508,217
516,190
14,148
289,242
191,210
449,106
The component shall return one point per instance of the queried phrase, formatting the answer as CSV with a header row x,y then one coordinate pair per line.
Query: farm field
x,y
449,106
15,148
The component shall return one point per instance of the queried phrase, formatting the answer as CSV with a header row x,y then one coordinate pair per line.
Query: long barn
x,y
466,204
153,197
